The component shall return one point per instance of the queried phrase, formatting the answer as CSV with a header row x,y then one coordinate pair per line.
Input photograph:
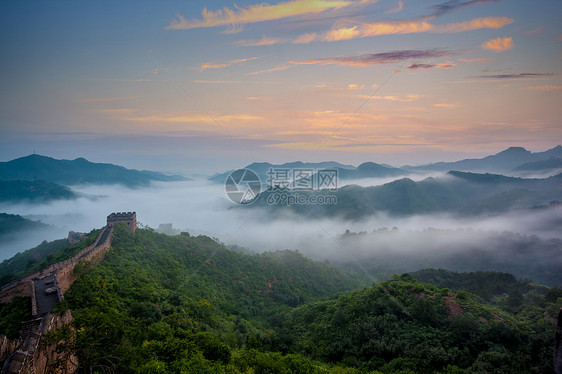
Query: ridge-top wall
x,y
63,270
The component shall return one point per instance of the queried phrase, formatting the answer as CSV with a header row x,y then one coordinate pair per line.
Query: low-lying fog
x,y
201,207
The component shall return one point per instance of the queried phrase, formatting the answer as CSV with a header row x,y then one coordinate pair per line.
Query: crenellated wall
x,y
63,270
65,274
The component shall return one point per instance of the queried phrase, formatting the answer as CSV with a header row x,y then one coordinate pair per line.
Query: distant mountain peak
x,y
370,165
514,151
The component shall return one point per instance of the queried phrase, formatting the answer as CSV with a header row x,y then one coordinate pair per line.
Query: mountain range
x,y
508,160
456,192
262,169
514,159
77,171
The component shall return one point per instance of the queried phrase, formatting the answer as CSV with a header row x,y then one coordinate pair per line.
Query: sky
x,y
206,86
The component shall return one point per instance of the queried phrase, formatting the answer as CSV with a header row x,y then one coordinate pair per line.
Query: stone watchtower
x,y
129,218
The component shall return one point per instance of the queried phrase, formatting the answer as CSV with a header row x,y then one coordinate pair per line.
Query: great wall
x,y
29,353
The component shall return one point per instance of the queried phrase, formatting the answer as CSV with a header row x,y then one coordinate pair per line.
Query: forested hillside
x,y
40,257
160,304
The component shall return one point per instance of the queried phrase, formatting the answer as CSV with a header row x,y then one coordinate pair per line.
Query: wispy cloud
x,y
378,28
355,86
277,68
545,88
377,58
475,24
396,8
370,29
443,65
305,38
256,13
498,44
259,42
536,30
404,99
513,76
454,5
257,98
214,65
446,105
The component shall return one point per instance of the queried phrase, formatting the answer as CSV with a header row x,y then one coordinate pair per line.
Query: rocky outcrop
x,y
34,354
75,237
7,347
558,345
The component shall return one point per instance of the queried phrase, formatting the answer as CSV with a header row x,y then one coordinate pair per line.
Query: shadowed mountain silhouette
x,y
78,171
503,161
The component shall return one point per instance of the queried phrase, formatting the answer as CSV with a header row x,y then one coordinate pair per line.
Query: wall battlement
x,y
129,218
23,286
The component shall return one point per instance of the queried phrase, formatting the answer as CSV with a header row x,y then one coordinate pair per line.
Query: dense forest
x,y
160,304
45,254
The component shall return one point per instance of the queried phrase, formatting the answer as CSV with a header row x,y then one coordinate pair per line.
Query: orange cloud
x,y
355,86
305,38
475,24
256,43
396,27
342,34
256,13
498,44
369,29
375,29
212,65
446,105
277,68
